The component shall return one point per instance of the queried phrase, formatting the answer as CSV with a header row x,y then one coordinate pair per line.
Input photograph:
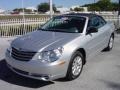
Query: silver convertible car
x,y
61,47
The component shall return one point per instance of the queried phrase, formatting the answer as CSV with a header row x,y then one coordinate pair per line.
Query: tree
x,y
18,10
44,7
77,9
105,5
21,10
71,9
93,8
115,6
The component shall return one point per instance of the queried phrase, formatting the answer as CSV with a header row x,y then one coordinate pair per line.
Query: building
x,y
2,11
63,10
32,9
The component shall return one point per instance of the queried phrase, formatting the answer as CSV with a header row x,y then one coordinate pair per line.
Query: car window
x,y
93,22
96,22
101,21
70,24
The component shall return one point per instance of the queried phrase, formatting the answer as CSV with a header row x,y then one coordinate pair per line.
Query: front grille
x,y
22,55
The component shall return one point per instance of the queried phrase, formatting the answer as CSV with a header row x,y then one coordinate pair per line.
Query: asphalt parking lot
x,y
100,73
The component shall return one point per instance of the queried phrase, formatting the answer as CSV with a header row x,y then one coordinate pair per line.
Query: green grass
x,y
20,16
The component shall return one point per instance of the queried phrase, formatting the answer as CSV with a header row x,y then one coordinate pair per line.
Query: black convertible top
x,y
89,15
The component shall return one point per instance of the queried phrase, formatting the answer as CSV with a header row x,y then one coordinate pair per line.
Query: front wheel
x,y
75,66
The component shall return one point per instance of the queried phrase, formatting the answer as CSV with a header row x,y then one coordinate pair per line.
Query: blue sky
x,y
11,4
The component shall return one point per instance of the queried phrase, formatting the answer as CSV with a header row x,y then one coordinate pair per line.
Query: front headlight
x,y
50,56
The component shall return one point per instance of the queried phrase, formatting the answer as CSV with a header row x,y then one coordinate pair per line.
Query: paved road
x,y
100,73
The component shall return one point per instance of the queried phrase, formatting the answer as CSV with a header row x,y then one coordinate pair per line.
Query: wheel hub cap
x,y
111,42
77,66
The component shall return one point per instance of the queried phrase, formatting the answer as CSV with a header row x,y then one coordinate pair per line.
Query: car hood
x,y
43,40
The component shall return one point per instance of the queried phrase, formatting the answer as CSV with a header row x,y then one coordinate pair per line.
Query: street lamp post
x,y
119,9
23,16
119,15
94,7
51,8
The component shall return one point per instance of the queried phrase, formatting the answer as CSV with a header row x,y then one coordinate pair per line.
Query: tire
x,y
75,66
110,44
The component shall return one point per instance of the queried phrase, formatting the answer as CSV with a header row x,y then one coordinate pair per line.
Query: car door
x,y
94,40
104,29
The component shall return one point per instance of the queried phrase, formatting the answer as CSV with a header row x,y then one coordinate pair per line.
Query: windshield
x,y
69,24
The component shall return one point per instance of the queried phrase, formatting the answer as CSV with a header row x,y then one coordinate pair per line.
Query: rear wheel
x,y
75,66
110,44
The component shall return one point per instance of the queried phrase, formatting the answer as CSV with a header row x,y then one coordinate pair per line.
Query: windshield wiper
x,y
55,30
41,29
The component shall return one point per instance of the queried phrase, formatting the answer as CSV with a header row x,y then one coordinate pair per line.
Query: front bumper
x,y
37,70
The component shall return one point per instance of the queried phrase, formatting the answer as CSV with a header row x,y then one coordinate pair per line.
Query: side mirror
x,y
92,30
